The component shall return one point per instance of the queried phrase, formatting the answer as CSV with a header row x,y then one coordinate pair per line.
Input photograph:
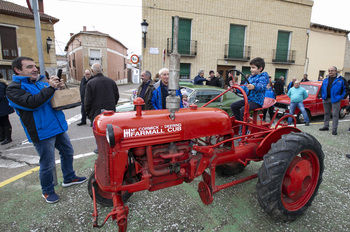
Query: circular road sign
x,y
134,59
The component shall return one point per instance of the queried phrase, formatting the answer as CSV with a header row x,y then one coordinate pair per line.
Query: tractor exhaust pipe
x,y
173,101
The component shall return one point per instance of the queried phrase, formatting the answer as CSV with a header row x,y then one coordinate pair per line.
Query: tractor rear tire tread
x,y
272,172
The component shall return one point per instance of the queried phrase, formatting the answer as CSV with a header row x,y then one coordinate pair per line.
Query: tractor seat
x,y
268,102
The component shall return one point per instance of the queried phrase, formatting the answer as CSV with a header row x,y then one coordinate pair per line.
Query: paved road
x,y
177,208
20,156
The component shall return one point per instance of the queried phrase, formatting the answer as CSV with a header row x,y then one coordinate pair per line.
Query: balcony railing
x,y
185,47
283,56
237,52
9,54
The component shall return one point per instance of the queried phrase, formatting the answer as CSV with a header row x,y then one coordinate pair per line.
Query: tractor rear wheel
x,y
290,176
103,198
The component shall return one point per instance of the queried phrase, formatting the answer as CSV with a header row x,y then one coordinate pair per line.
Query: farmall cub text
x,y
154,149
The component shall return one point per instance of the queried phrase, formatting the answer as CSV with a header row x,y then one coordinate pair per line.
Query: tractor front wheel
x,y
230,169
102,197
290,176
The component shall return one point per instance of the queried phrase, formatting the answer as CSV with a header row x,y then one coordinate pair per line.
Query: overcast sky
x,y
121,19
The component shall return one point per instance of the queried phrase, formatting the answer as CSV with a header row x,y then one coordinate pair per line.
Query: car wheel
x,y
342,112
300,117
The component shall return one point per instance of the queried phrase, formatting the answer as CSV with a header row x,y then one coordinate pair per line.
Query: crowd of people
x,y
29,93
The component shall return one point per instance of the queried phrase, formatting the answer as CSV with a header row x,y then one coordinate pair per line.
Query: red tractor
x,y
152,150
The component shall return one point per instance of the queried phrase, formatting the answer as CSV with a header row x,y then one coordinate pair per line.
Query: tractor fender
x,y
273,137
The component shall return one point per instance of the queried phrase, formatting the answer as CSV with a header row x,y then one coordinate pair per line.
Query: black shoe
x,y
6,141
96,151
324,129
81,123
348,155
334,132
307,123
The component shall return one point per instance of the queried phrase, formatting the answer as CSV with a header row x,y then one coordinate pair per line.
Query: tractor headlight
x,y
114,134
110,135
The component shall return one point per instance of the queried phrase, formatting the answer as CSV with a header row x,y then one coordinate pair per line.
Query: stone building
x,y
327,47
88,47
220,35
18,38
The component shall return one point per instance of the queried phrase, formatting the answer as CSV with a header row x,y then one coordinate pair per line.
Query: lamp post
x,y
144,26
48,44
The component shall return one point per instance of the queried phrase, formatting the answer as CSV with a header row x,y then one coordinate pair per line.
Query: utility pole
x,y
38,36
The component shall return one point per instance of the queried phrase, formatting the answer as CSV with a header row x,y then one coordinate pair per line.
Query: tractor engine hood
x,y
155,126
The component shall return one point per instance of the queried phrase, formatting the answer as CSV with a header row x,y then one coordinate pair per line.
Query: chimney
x,y
41,6
84,28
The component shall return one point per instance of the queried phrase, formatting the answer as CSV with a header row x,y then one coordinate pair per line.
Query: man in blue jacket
x,y
334,88
30,95
161,91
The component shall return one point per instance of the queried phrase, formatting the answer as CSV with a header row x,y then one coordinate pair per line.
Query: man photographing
x,y
30,95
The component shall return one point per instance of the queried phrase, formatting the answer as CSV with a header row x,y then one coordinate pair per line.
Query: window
x,y
236,42
185,71
310,89
282,50
95,56
203,96
246,72
8,39
321,73
184,42
281,72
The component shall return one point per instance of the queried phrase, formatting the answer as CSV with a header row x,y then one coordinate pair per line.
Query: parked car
x,y
313,103
199,95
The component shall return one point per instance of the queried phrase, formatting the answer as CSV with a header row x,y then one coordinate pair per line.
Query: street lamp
x,y
144,26
48,44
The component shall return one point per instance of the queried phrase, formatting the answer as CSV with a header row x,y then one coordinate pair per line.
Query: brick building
x,y
18,38
220,35
88,47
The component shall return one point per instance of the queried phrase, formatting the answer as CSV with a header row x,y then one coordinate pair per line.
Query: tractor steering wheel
x,y
246,79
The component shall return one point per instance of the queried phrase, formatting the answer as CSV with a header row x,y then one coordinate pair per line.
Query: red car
x,y
313,103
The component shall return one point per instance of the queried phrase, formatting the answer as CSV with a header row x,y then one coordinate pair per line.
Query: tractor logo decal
x,y
151,130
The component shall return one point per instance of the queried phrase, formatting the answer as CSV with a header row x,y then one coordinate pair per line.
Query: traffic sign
x,y
134,59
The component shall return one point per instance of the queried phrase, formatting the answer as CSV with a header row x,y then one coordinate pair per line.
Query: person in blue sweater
x,y
30,94
257,86
270,92
297,95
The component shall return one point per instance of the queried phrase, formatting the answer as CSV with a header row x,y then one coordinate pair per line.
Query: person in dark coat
x,y
199,79
279,86
101,93
83,83
145,90
212,80
5,110
304,78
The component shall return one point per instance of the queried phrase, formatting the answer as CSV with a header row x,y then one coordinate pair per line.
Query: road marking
x,y
26,173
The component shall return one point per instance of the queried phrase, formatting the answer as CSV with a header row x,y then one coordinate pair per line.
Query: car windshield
x,y
310,89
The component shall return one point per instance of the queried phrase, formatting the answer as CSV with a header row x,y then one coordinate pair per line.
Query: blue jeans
x,y
301,107
46,151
